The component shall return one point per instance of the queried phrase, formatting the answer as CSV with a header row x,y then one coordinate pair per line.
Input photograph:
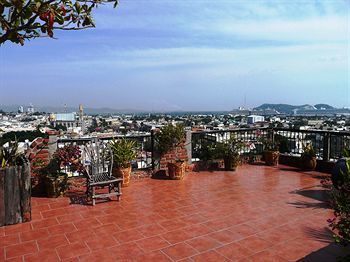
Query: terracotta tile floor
x,y
257,213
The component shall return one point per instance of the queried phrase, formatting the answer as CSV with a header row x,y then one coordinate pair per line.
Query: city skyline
x,y
193,56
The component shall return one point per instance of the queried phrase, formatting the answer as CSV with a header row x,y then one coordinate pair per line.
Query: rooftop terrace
x,y
257,213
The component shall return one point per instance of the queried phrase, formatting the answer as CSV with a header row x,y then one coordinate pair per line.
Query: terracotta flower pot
x,y
176,170
271,158
123,172
309,163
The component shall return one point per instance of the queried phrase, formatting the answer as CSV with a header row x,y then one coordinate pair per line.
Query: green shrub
x,y
340,202
123,152
169,137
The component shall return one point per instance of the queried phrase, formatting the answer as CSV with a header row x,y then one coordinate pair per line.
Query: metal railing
x,y
328,145
249,136
143,147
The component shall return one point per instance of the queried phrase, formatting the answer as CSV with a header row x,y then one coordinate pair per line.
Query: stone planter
x,y
122,172
271,158
308,163
15,195
176,170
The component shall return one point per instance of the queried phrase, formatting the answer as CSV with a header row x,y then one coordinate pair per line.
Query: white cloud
x,y
329,29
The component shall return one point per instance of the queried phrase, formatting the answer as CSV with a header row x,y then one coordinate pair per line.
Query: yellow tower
x,y
81,118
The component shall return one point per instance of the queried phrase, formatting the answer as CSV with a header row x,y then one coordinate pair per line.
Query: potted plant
x,y
229,151
271,152
206,152
308,157
15,185
123,152
169,138
54,175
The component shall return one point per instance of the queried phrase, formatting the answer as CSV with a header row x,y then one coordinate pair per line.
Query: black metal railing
x,y
251,137
143,147
328,145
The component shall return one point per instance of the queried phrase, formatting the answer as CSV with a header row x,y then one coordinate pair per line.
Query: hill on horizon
x,y
288,109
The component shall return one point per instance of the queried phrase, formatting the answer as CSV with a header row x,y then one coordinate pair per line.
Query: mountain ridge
x,y
287,108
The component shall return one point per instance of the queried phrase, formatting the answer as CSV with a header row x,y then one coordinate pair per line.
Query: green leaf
x,y
77,7
60,20
27,13
7,4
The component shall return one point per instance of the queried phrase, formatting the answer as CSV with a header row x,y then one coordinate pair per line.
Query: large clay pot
x,y
231,163
308,163
123,172
176,170
271,158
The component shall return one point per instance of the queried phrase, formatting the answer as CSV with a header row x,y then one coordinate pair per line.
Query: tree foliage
x,y
21,136
22,20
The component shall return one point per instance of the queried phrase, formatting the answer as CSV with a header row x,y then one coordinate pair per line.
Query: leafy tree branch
x,y
21,20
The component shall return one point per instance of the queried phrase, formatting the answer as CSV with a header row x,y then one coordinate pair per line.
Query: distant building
x,y
20,109
252,119
69,120
30,109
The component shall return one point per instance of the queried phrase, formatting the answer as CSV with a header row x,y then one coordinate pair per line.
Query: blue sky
x,y
188,55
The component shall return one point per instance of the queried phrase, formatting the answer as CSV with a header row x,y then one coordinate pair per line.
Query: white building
x,y
69,120
31,109
252,119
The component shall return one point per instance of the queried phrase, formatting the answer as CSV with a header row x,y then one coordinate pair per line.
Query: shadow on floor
x,y
325,235
80,198
77,198
329,253
160,175
304,204
316,192
290,169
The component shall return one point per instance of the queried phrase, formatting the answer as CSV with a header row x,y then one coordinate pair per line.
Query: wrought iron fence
x,y
329,145
143,148
251,138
